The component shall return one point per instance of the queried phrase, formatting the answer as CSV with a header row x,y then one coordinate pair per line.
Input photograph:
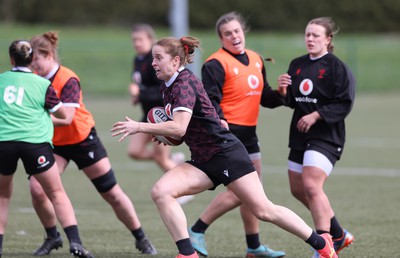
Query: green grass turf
x,y
102,56
363,189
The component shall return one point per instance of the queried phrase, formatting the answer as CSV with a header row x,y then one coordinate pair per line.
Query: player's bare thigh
x,y
184,179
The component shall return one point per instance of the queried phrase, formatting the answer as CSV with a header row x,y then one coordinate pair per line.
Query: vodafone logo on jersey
x,y
253,81
306,87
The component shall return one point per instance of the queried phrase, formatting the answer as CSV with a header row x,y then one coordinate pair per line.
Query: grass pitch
x,y
363,189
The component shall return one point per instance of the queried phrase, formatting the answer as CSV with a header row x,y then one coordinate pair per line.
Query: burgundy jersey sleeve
x,y
70,93
52,102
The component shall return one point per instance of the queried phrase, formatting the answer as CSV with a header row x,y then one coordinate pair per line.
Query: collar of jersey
x,y
170,81
318,57
52,72
22,69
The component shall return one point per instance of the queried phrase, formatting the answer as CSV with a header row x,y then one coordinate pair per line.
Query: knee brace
x,y
105,182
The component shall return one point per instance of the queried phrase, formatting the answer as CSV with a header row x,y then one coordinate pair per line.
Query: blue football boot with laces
x,y
198,242
264,251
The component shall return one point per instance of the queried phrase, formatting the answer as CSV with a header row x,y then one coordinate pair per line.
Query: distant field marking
x,y
375,142
145,166
371,142
343,171
387,172
77,211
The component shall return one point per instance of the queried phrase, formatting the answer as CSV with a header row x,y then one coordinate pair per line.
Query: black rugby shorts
x,y
226,166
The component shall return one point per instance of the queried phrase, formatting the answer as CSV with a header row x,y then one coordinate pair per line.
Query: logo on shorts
x,y
226,172
42,161
91,154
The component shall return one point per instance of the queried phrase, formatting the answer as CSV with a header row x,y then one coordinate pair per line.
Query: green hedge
x,y
272,15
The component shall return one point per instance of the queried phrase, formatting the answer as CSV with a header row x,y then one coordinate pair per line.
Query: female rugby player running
x,y
218,157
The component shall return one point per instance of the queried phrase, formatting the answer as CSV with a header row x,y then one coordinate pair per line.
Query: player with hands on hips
x,y
217,156
26,133
320,89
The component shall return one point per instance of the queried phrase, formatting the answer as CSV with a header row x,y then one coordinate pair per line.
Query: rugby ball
x,y
158,115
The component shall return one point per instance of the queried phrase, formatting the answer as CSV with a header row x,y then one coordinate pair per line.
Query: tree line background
x,y
273,15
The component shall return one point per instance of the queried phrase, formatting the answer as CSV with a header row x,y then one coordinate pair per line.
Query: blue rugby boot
x,y
264,251
198,242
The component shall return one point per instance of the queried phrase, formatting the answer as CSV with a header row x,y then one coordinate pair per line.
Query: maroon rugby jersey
x,y
205,134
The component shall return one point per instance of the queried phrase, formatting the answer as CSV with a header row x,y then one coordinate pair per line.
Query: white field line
x,y
346,171
375,142
30,210
139,166
343,171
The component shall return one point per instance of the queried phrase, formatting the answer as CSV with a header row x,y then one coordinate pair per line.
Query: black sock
x,y
253,241
184,246
52,232
1,243
336,229
320,232
73,234
316,241
138,233
199,226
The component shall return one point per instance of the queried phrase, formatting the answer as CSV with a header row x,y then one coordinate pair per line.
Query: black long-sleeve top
x,y
325,85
